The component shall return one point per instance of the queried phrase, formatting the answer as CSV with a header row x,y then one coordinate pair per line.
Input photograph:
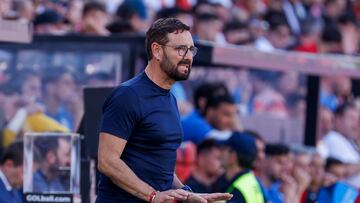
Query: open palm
x,y
208,197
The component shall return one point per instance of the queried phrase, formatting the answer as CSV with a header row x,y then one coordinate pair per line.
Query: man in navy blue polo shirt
x,y
141,127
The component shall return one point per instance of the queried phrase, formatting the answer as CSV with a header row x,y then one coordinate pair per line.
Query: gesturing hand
x,y
170,196
205,198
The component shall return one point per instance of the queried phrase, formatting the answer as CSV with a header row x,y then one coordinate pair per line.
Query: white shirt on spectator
x,y
263,44
5,181
335,145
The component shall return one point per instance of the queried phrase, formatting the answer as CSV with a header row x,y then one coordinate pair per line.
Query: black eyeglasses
x,y
183,49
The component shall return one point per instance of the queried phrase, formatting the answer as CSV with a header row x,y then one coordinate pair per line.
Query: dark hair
x,y
120,26
275,20
331,34
235,25
53,74
209,90
93,6
330,162
276,149
160,29
45,144
206,145
130,8
215,102
18,78
49,16
15,153
170,12
206,17
245,160
341,109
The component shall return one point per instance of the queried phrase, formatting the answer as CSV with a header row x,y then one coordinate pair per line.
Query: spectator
x,y
260,150
11,174
59,96
317,173
73,14
238,157
50,22
339,142
119,26
326,121
30,115
203,176
178,13
278,36
54,163
237,33
134,12
336,168
275,174
195,127
331,40
208,27
94,19
309,36
221,113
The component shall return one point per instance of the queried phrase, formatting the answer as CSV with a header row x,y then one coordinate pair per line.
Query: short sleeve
x,y
121,111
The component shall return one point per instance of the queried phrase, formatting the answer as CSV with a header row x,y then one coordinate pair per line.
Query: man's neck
x,y
155,74
338,130
232,171
201,176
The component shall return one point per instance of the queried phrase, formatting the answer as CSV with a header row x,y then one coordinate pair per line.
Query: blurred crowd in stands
x,y
32,101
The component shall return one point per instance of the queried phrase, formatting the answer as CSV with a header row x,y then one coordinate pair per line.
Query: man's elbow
x,y
103,164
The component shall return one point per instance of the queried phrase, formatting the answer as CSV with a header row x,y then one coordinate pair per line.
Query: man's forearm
x,y
177,184
125,178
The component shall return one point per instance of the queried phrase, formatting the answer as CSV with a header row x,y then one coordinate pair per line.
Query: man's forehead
x,y
181,37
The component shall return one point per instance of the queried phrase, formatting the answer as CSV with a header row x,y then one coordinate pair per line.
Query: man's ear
x,y
157,51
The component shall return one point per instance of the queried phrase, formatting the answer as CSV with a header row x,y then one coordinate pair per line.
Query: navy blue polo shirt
x,y
147,117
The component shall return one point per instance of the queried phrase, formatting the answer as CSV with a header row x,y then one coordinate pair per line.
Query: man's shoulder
x,y
334,137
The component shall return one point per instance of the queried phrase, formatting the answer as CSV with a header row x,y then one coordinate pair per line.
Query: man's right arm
x,y
109,163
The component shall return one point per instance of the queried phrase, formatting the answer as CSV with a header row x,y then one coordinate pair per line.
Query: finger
x,y
182,192
217,196
196,198
177,196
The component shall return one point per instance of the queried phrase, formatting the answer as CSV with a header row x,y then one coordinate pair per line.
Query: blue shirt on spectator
x,y
195,127
147,117
41,184
7,193
274,194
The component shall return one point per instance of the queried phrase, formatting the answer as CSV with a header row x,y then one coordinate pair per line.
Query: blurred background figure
x,y
53,174
203,176
238,156
94,19
11,173
134,13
